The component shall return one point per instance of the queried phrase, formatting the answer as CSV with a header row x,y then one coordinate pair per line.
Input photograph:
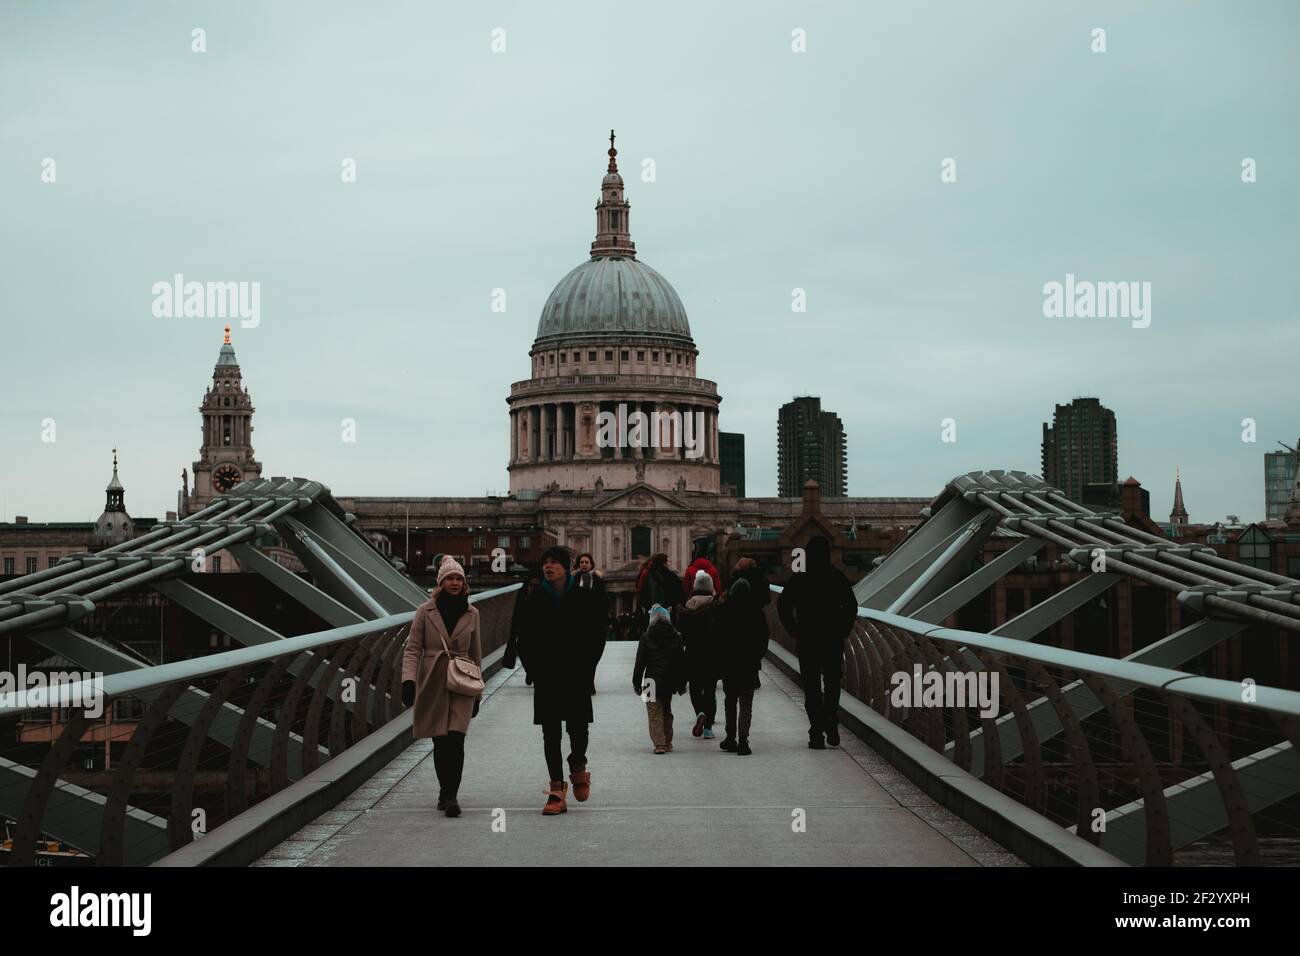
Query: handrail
x,y
145,678
1210,689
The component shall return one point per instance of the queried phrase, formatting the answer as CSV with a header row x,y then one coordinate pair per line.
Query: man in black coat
x,y
818,609
561,636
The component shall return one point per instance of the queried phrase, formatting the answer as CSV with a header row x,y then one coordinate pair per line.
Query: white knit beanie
x,y
703,583
449,566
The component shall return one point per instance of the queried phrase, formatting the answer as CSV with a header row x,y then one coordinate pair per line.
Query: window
x,y
51,561
577,356
654,356
9,565
31,565
503,541
640,542
480,541
1255,549
623,355
613,218
609,355
640,355
525,541
552,358
216,565
561,358
128,708
591,356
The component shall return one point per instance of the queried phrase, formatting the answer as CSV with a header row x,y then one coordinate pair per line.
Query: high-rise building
x,y
810,445
1080,447
1279,479
732,447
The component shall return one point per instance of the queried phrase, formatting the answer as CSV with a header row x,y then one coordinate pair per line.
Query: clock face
x,y
225,477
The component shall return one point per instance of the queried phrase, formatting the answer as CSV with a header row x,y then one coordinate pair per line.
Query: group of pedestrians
x,y
695,636
706,639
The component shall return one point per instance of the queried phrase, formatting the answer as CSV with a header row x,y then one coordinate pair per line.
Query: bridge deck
x,y
694,806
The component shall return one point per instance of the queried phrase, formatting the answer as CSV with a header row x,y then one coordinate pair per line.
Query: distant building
x,y
1279,480
30,546
1080,447
1110,496
732,447
226,454
1178,519
810,447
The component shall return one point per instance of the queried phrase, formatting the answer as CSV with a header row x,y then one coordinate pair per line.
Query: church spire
x,y
1178,516
613,238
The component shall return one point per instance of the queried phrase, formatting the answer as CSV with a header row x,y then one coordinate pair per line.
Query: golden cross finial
x,y
227,341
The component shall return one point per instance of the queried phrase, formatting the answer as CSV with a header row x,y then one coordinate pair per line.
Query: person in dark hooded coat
x,y
818,609
744,643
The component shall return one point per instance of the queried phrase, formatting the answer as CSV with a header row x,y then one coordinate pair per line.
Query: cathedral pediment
x,y
640,497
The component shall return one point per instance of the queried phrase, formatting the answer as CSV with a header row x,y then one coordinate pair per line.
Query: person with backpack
x,y
698,621
659,673
561,636
658,584
444,627
818,610
744,644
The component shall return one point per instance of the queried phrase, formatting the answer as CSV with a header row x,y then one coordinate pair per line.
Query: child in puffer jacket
x,y
660,672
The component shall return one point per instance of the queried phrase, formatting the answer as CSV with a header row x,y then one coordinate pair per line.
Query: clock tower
x,y
226,455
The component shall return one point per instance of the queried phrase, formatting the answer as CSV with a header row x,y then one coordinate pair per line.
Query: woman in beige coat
x,y
446,621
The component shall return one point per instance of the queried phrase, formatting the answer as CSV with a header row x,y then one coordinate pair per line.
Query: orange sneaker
x,y
555,798
581,784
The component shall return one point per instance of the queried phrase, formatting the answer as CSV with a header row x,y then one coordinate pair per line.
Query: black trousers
x,y
820,670
704,698
553,742
449,761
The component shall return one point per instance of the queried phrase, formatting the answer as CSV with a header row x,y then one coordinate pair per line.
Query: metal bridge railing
x,y
1153,765
204,739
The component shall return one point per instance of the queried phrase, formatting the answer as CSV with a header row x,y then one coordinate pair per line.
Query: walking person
x,y
444,627
698,621
659,673
585,568
511,655
744,644
561,636
658,584
818,610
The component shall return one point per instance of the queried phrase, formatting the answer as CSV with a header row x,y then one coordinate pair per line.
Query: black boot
x,y
452,808
815,741
442,800
743,750
833,736
729,745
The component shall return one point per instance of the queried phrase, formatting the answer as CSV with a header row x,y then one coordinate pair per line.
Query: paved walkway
x,y
694,806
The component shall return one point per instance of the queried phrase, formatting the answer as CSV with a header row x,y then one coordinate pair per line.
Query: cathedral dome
x,y
613,297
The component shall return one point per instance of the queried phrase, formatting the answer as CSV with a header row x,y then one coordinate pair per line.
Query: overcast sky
x,y
775,170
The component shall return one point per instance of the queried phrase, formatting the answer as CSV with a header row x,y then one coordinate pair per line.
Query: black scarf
x,y
451,607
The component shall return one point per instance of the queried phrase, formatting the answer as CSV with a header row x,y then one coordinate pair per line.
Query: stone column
x,y
548,429
514,436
